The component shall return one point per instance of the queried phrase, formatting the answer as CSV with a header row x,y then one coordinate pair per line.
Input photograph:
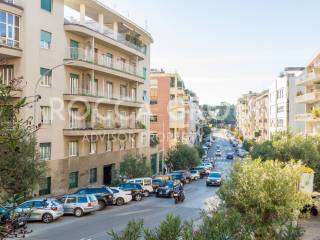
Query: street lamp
x,y
36,95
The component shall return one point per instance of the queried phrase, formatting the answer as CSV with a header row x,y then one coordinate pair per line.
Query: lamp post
x,y
37,85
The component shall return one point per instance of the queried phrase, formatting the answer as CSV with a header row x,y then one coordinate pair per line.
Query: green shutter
x,y
46,5
45,72
74,51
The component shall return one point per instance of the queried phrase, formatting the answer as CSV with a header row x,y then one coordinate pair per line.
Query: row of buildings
x,y
291,103
99,100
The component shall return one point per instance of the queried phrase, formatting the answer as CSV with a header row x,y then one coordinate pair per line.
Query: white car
x,y
195,175
146,184
207,165
121,197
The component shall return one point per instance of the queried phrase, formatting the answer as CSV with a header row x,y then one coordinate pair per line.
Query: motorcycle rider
x,y
179,189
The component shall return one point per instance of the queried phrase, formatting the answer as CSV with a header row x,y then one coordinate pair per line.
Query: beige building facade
x,y
90,66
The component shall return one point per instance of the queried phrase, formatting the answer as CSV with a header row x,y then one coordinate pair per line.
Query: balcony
x,y
105,35
84,95
306,117
307,78
84,59
177,91
177,124
81,128
311,97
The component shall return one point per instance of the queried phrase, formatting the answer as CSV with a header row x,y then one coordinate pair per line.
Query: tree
x,y
264,151
134,167
20,169
247,145
182,157
200,150
265,193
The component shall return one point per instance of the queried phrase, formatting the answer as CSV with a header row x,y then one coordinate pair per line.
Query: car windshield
x,y
215,175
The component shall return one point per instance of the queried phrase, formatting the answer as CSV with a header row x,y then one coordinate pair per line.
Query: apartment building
x,y
195,116
282,104
309,96
261,116
90,65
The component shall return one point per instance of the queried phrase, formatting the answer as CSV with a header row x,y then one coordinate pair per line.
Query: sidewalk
x,y
312,228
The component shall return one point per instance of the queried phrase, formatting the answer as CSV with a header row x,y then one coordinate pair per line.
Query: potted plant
x,y
316,112
140,125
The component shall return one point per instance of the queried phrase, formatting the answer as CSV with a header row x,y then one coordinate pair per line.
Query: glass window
x,y
46,75
93,147
45,115
45,151
74,49
114,190
73,149
82,200
9,29
26,205
93,175
46,5
45,39
172,82
74,83
71,200
153,118
38,204
6,74
73,180
145,73
109,90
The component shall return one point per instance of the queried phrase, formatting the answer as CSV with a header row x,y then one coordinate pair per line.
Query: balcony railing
x,y
306,77
107,125
104,61
9,42
308,97
108,32
306,117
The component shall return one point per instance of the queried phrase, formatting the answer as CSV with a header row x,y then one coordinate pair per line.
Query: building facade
x,y
90,65
261,116
282,106
309,97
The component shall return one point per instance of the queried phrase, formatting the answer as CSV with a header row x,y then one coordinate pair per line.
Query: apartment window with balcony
x,y
153,118
109,90
123,92
109,145
172,82
145,96
179,116
123,120
180,84
93,147
45,151
74,83
280,109
45,39
74,49
145,73
6,74
73,180
133,94
9,29
93,175
73,118
45,115
153,95
109,117
73,149
46,5
172,97
46,75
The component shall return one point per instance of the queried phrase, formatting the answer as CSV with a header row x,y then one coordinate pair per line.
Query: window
x,y
133,94
123,120
153,95
74,83
93,147
71,200
73,180
45,151
180,84
179,116
45,39
46,5
73,118
153,118
123,92
145,96
45,187
109,117
172,82
109,145
9,29
45,115
6,74
144,139
73,149
145,73
122,145
172,97
74,49
280,109
154,83
93,175
46,75
109,90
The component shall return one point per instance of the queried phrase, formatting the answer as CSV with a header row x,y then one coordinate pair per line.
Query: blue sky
x,y
223,48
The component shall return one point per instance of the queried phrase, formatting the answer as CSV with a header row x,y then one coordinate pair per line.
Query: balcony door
x,y
74,83
109,90
74,49
123,92
109,117
133,94
73,118
133,120
123,119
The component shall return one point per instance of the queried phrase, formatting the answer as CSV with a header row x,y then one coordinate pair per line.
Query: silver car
x,y
79,204
45,210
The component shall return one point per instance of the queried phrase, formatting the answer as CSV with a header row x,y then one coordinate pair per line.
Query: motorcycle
x,y
178,196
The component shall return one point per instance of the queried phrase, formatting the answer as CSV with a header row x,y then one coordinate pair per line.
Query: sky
x,y
225,48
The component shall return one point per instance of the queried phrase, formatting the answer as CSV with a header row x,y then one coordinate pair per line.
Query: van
x,y
146,184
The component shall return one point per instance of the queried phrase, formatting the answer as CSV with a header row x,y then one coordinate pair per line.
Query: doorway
x,y
107,174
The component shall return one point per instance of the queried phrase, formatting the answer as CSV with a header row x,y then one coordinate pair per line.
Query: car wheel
x,y
78,212
138,197
120,201
147,193
47,218
102,205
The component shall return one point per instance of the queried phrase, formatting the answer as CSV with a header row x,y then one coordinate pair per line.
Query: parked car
x,y
103,194
230,155
186,173
146,184
195,174
167,190
137,191
156,183
79,205
202,171
121,197
207,165
214,179
163,178
46,210
179,176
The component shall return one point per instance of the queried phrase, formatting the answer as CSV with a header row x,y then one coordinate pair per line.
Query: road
x,y
152,210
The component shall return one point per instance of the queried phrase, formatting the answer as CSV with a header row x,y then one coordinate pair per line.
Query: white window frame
x,y
46,115
45,151
109,90
93,147
73,149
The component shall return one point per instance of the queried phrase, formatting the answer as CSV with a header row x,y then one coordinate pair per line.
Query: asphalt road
x,y
152,210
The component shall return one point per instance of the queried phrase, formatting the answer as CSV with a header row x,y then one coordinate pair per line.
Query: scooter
x,y
178,196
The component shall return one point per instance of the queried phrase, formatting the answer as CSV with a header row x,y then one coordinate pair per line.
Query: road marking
x,y
133,212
